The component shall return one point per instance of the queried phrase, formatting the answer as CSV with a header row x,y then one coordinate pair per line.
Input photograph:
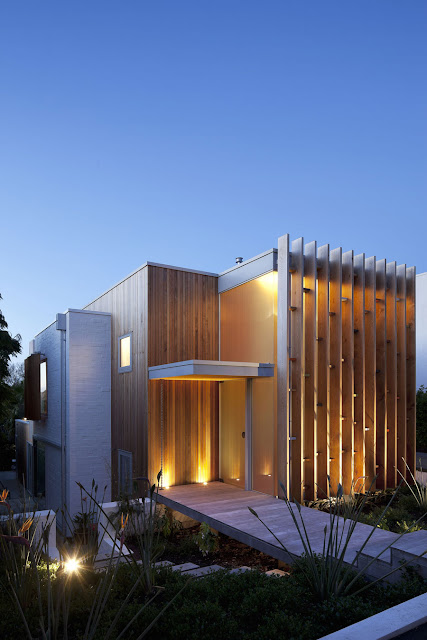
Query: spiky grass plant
x,y
328,574
418,490
54,590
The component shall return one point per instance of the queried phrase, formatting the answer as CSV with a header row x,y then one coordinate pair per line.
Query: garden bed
x,y
404,515
231,554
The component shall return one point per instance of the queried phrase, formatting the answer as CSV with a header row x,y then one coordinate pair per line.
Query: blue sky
x,y
189,133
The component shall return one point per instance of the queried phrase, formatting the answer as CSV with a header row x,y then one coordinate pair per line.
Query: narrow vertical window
x,y
125,472
125,353
43,388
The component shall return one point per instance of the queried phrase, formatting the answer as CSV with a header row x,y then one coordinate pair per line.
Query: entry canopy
x,y
210,370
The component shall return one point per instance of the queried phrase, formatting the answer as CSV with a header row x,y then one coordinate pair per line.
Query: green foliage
x,y
206,539
167,524
11,393
422,419
57,603
248,606
328,575
418,490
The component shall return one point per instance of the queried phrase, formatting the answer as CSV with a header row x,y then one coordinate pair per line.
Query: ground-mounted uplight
x,y
205,483
71,565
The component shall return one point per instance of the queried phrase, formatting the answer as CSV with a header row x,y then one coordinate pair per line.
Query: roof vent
x,y
239,260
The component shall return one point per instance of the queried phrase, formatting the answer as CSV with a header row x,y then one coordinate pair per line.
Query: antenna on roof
x,y
239,260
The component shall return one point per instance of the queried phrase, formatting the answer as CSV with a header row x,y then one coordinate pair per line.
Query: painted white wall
x,y
88,374
48,342
421,328
85,348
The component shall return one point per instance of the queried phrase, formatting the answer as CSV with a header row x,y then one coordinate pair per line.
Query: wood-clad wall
x,y
349,345
127,303
182,325
188,449
172,315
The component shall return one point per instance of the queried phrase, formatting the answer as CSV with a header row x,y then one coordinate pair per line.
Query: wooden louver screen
x,y
346,369
32,387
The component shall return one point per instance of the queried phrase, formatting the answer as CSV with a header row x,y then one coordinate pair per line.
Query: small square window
x,y
125,353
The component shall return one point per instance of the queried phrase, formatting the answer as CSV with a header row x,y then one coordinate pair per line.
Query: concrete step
x,y
186,566
276,572
203,571
240,569
161,564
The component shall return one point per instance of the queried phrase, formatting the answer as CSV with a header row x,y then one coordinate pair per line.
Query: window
x,y
125,353
125,472
29,480
43,388
40,468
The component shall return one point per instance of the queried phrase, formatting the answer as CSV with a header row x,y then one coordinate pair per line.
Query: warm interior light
x,y
125,352
71,565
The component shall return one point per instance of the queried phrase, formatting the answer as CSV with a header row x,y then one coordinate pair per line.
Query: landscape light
x,y
71,565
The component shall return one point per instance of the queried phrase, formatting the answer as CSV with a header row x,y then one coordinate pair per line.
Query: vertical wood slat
x,y
391,375
322,374
381,377
335,374
309,367
410,369
295,368
359,370
282,463
347,371
401,367
370,375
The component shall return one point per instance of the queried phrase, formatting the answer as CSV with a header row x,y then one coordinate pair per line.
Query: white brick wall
x,y
48,342
87,353
88,404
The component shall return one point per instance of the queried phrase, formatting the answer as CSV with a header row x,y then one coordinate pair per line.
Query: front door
x,y
232,395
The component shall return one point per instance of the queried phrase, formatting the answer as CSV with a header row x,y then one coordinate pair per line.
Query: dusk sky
x,y
189,133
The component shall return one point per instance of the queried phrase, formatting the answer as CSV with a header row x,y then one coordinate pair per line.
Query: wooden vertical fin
x,y
370,371
283,297
410,370
309,368
322,377
335,374
381,374
347,372
359,371
296,349
391,375
401,367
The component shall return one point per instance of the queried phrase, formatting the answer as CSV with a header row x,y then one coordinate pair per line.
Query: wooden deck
x,y
225,508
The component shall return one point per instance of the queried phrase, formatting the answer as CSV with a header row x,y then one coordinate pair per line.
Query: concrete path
x,y
225,508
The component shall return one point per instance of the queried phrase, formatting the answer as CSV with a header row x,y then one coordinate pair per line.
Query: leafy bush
x,y
206,539
328,575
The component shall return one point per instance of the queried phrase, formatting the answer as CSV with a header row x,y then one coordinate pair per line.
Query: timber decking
x,y
225,508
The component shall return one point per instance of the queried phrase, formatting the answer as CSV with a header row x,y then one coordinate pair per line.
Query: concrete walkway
x,y
225,508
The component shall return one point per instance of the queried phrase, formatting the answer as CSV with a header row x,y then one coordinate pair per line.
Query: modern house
x,y
291,366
